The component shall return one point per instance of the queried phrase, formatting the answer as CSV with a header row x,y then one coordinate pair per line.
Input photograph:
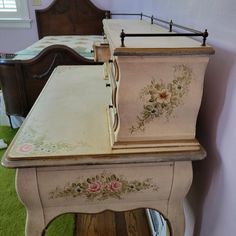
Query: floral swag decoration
x,y
161,99
102,187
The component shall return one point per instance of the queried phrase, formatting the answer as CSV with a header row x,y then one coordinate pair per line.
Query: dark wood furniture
x,y
113,224
74,17
22,80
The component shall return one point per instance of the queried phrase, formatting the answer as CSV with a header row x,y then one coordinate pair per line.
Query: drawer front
x,y
101,52
104,185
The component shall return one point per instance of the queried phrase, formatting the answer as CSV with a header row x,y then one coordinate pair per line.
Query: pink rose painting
x,y
94,187
103,186
26,147
115,186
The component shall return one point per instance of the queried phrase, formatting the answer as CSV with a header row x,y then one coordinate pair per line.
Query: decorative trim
x,y
102,186
161,99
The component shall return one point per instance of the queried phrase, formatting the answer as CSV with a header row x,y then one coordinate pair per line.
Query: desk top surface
x,y
149,45
68,125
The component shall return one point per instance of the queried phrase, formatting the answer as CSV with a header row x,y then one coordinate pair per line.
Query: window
x,y
14,13
8,8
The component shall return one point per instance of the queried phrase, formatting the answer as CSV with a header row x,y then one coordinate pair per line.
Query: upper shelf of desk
x,y
149,45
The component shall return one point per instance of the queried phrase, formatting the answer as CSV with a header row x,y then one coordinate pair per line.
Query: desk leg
x,y
182,179
27,190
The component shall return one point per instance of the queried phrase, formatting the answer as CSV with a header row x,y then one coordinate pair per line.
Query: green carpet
x,y
12,212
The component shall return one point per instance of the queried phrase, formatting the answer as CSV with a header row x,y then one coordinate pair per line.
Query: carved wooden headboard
x,y
70,17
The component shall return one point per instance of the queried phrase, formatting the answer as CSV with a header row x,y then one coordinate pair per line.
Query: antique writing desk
x,y
65,162
90,145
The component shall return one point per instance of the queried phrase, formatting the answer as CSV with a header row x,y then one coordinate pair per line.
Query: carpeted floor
x,y
12,212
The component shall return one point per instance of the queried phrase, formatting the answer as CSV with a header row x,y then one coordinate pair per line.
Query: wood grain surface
x,y
108,223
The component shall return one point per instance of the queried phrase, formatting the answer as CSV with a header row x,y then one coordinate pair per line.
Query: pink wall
x,y
212,199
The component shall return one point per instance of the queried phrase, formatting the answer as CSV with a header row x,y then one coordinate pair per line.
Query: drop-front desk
x,y
83,148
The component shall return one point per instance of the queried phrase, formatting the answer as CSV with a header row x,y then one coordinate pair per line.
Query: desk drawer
x,y
101,52
104,184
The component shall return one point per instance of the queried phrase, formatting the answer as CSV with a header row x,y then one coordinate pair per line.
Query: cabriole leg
x,y
27,190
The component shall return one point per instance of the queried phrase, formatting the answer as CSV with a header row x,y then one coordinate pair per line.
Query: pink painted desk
x,y
65,162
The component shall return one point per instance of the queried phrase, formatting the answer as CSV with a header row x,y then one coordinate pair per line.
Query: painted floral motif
x,y
102,187
33,143
160,99
26,147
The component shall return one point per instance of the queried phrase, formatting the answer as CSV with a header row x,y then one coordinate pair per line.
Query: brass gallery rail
x,y
192,32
